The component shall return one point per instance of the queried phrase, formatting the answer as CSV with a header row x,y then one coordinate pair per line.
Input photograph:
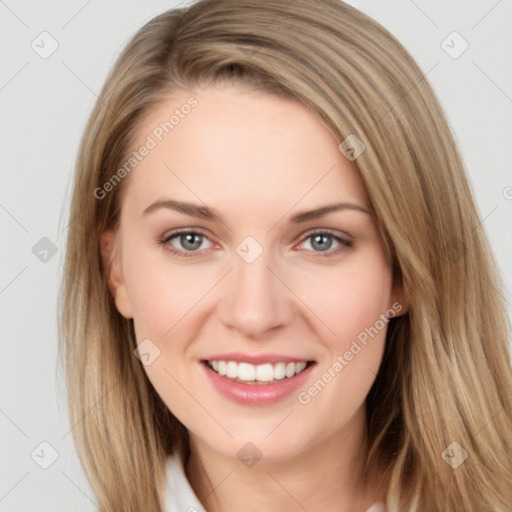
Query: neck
x,y
326,476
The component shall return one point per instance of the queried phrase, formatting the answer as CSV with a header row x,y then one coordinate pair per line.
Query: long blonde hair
x,y
446,373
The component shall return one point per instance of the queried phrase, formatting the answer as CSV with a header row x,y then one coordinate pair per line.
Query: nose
x,y
255,302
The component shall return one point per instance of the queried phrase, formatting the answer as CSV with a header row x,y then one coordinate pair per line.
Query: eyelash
x,y
344,243
164,241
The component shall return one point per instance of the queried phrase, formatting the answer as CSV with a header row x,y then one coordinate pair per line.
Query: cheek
x,y
349,299
169,305
353,303
163,294
362,305
165,301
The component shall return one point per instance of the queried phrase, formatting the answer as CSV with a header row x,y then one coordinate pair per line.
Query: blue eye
x,y
186,242
323,242
193,243
189,241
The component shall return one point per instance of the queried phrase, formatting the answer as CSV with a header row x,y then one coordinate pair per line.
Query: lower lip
x,y
256,394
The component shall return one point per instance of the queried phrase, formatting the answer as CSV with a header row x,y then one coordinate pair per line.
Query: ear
x,y
113,272
398,301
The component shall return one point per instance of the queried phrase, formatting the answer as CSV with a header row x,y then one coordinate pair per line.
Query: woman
x,y
278,294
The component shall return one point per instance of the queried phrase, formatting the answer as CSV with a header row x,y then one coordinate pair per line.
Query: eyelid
x,y
183,231
344,239
165,240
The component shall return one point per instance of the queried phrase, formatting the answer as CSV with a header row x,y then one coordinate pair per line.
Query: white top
x,y
180,497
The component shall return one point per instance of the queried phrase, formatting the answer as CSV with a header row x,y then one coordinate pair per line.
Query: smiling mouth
x,y
267,373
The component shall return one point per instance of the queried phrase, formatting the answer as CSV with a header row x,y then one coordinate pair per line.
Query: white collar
x,y
179,495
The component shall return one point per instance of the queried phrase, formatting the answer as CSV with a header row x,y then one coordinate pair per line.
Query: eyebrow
x,y
194,210
203,212
325,210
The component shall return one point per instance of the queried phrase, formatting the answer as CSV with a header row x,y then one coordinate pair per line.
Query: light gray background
x,y
45,104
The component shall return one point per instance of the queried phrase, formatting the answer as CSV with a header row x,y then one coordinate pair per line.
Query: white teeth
x,y
290,370
300,367
279,371
232,372
246,371
262,373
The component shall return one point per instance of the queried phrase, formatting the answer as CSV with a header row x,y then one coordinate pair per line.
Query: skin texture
x,y
256,160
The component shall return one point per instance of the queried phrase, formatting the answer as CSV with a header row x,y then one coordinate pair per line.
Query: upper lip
x,y
257,359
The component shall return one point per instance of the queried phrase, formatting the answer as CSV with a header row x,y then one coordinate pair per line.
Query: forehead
x,y
230,146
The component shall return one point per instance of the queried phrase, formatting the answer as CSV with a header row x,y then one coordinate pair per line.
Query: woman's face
x,y
246,245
